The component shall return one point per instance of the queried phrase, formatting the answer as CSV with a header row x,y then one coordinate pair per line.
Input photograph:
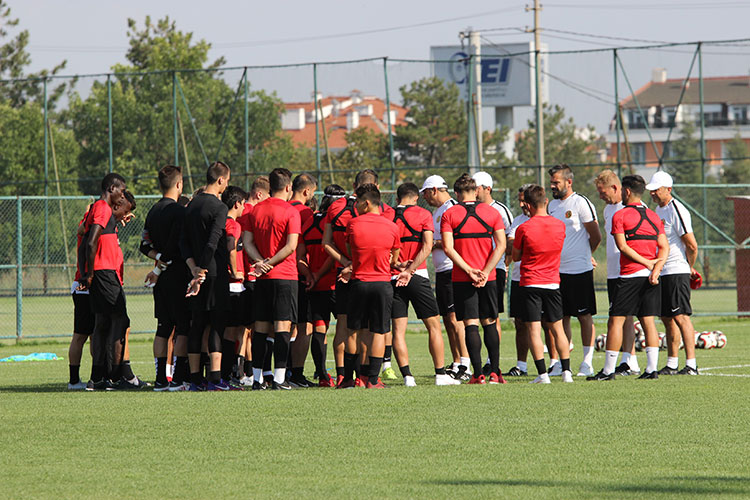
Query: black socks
x,y
474,346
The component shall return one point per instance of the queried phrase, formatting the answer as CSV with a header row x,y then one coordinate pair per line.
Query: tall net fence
x,y
683,108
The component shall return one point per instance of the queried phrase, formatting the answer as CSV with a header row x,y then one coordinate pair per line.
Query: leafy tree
x,y
684,159
737,169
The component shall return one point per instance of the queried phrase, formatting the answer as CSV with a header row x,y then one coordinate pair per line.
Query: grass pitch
x,y
676,437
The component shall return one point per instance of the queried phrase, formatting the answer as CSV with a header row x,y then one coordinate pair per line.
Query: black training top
x,y
204,236
161,233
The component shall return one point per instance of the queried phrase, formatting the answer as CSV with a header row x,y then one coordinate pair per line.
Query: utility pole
x,y
538,76
474,98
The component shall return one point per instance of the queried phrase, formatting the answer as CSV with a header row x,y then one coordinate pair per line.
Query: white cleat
x,y
446,379
586,370
246,381
571,347
541,379
78,386
409,381
567,377
556,370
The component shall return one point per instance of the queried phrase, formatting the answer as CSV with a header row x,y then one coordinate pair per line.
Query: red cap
x,y
697,281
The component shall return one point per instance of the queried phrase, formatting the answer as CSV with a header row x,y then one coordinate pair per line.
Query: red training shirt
x,y
305,212
244,222
419,220
312,235
371,238
79,238
347,209
475,250
628,219
234,229
541,240
272,221
108,253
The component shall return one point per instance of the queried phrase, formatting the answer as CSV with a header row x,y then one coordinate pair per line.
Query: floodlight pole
x,y
538,88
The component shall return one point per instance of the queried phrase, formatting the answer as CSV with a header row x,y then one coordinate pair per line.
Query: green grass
x,y
677,437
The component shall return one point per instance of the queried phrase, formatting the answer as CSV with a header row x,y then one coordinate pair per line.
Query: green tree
x,y
684,160
737,169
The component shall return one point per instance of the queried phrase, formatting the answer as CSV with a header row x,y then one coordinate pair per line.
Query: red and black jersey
x,y
372,238
641,227
234,230
541,241
473,225
341,212
312,235
305,212
412,221
108,253
272,221
244,222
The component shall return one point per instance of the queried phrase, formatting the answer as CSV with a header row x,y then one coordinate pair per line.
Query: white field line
x,y
741,375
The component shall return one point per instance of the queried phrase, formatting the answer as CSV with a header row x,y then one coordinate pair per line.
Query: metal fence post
x,y
109,119
315,117
617,116
46,188
703,155
470,111
174,118
247,136
390,125
19,270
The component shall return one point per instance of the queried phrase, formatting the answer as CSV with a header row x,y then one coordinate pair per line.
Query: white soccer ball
x,y
721,339
697,334
601,342
682,344
640,342
662,341
638,329
706,340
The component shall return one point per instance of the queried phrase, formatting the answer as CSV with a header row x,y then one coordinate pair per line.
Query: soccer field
x,y
676,437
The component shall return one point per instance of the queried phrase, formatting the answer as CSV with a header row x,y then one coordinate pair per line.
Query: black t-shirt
x,y
161,232
204,236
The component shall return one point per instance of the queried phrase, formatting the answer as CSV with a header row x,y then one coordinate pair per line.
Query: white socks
x,y
652,357
610,360
673,362
279,375
466,362
522,366
588,355
691,363
258,375
625,358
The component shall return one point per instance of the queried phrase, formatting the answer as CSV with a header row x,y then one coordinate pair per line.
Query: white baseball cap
x,y
434,181
482,179
659,179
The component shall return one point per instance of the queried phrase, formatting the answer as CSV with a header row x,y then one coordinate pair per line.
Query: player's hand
x,y
198,272
404,277
194,287
238,276
480,283
693,273
476,275
163,265
151,279
127,218
651,264
346,274
593,262
261,268
84,283
653,278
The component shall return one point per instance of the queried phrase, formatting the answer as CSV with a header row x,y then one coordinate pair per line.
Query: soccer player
x,y
83,318
435,192
322,291
259,191
339,214
234,198
100,269
469,229
412,284
639,235
538,245
676,275
610,191
582,237
303,190
516,297
373,243
271,246
484,195
204,247
160,242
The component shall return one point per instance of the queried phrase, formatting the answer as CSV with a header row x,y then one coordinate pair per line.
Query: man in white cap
x,y
484,195
435,192
582,237
676,275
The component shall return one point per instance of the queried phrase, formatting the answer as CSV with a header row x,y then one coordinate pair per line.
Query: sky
x,y
91,36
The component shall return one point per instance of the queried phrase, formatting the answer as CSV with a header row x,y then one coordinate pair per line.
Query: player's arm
x,y
661,258
90,254
303,266
595,236
691,248
497,253
324,269
424,252
288,249
218,226
453,255
517,246
394,257
232,247
147,246
631,254
508,250
330,247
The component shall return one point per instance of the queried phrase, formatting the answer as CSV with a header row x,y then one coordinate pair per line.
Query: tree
x,y
684,160
737,169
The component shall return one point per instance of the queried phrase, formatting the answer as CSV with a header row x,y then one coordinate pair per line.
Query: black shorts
x,y
500,280
342,297
236,308
322,305
578,295
541,304
611,287
275,300
675,295
247,297
371,306
473,302
107,295
170,304
444,292
303,303
516,300
419,293
636,297
83,316
213,294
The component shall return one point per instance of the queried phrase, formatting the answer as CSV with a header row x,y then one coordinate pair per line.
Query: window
x,y
638,154
668,116
738,114
635,119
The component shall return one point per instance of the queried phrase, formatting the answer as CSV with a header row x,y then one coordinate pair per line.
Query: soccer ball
x,y
601,342
638,329
706,340
662,341
697,334
721,339
640,341
682,344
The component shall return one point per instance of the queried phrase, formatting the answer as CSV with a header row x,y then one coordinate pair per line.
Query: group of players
x,y
246,283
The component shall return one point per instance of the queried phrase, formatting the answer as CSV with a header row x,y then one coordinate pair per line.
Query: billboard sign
x,y
507,80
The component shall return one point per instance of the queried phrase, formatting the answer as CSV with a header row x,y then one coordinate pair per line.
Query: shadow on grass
x,y
36,388
731,485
